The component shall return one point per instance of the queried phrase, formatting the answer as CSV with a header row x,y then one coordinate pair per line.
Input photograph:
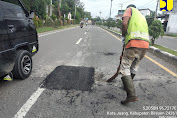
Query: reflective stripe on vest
x,y
139,34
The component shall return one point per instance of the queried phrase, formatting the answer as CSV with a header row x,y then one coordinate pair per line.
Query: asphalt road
x,y
87,57
167,41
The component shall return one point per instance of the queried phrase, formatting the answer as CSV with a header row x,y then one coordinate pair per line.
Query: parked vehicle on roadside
x,y
18,39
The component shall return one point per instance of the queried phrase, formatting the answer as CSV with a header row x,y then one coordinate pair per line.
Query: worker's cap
x,y
131,5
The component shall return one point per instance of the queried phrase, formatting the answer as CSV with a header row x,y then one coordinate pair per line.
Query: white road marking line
x,y
85,32
29,103
88,29
53,32
79,41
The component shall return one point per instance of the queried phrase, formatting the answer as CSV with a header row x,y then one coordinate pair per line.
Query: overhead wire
x,y
112,4
142,6
124,3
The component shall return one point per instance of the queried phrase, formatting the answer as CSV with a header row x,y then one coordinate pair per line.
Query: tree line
x,y
39,7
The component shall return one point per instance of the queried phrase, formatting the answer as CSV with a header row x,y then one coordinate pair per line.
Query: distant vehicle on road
x,y
93,22
81,24
89,22
18,39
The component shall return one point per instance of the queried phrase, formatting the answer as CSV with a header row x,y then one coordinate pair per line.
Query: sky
x,y
97,6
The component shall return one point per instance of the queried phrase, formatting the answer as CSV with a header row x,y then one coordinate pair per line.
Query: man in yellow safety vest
x,y
135,38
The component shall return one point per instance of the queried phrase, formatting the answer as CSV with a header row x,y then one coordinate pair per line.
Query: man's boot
x,y
132,75
130,89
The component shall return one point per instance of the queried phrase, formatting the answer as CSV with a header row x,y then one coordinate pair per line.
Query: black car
x,y
18,39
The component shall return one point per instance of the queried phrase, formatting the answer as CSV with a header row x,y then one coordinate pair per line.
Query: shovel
x,y
117,73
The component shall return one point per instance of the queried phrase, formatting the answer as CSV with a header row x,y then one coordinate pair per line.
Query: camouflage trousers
x,y
130,60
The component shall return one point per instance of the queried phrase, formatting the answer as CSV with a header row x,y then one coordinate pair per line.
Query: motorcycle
x,y
81,25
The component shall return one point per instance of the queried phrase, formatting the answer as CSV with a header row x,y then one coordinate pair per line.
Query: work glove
x,y
123,40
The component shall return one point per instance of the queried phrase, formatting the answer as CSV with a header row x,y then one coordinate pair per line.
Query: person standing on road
x,y
135,38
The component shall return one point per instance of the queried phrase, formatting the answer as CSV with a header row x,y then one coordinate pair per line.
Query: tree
x,y
55,8
105,23
87,15
65,9
149,20
78,17
69,6
96,19
152,14
38,6
113,23
109,22
81,11
119,23
155,30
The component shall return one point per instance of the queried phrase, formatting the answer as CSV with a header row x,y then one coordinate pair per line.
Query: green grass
x,y
46,29
173,35
166,49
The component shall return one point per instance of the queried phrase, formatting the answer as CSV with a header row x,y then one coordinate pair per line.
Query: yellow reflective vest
x,y
137,27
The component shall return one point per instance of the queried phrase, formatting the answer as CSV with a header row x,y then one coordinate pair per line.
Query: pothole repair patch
x,y
70,78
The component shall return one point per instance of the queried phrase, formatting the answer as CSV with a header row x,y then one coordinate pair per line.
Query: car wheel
x,y
23,65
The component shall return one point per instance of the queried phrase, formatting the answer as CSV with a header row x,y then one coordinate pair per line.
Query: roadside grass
x,y
46,29
172,35
165,49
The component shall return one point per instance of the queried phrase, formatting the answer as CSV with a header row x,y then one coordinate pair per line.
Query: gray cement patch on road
x,y
69,78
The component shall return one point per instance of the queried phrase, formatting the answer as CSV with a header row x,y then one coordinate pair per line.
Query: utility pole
x,y
121,5
100,14
156,10
75,11
109,21
59,12
110,9
63,15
